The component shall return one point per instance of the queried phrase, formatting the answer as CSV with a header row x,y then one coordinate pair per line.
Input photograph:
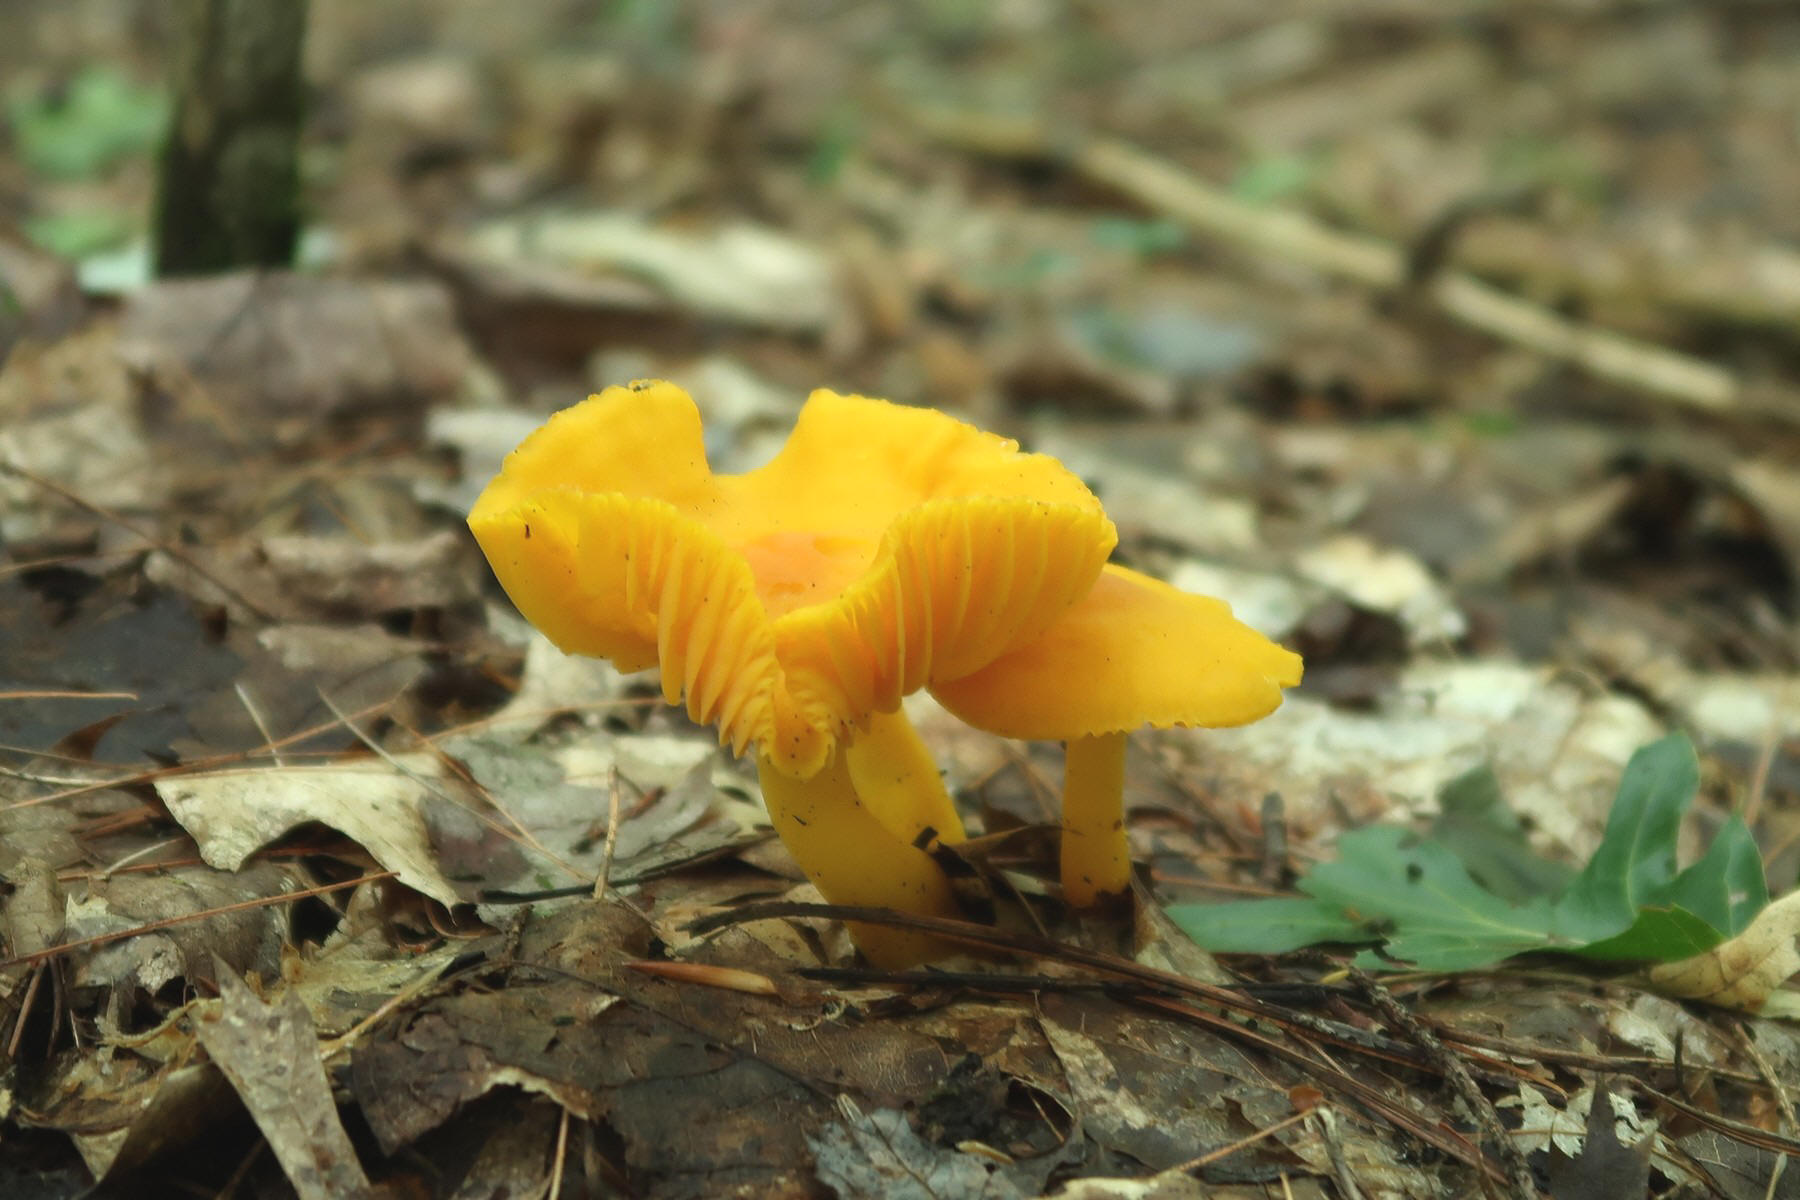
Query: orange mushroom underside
x,y
883,550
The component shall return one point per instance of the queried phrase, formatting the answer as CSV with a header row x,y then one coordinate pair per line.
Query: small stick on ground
x,y
1164,187
613,790
562,1155
1273,871
1783,1102
149,539
1456,1074
1334,1151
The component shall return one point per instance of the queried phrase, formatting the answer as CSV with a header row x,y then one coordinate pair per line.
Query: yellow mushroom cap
x,y
1134,651
882,550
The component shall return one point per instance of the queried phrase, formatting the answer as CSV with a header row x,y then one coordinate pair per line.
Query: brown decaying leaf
x,y
270,343
1747,972
270,1053
232,814
144,931
1605,1166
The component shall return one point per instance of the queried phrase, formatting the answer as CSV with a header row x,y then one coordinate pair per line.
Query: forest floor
x,y
1455,345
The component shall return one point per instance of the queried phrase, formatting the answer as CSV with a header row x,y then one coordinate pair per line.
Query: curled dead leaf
x,y
232,814
1747,971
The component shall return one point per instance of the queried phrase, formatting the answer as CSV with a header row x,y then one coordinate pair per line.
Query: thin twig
x,y
613,790
151,540
56,560
1759,777
1783,1101
1738,1131
194,767
1789,1123
1328,1075
1226,1151
140,853
1456,1074
406,995
1334,1152
256,718
562,1154
518,830
31,991
987,937
1273,870
1635,1066
119,935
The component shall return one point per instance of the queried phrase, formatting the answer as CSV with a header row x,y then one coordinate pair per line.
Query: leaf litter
x,y
301,829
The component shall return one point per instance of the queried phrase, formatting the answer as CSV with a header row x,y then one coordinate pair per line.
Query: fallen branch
x,y
1166,188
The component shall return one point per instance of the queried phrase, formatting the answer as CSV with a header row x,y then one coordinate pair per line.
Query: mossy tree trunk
x,y
228,193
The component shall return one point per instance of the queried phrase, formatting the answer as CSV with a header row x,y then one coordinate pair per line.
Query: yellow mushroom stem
x,y
1096,858
898,780
855,859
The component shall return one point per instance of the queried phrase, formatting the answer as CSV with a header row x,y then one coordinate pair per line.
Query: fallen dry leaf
x,y
878,1154
270,1054
270,342
1544,1126
123,1115
1556,747
1605,1166
1747,972
70,416
233,814
1386,580
743,273
246,938
324,578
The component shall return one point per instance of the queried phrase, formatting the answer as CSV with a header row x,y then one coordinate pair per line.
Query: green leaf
x,y
1272,926
1133,236
77,233
1635,863
1441,918
1727,887
1274,177
81,130
838,139
1657,935
1432,901
1492,424
1475,824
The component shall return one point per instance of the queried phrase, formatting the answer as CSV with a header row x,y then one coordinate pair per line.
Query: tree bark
x,y
228,192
